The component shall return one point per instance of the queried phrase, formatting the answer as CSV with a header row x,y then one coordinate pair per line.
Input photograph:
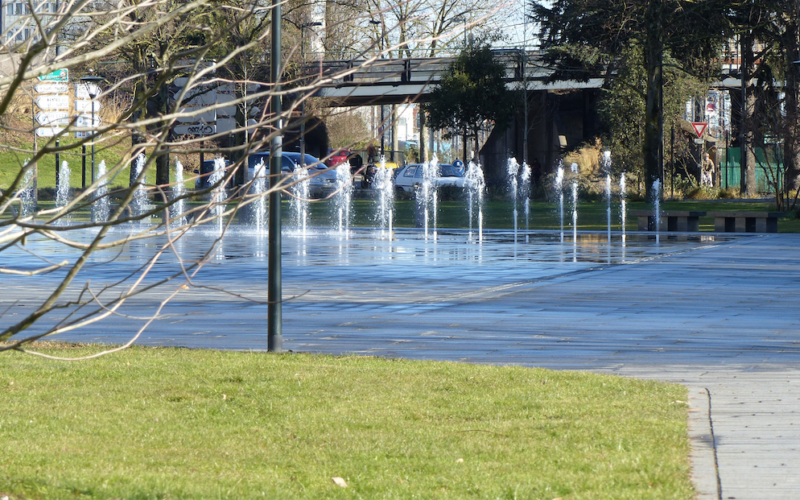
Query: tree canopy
x,y
582,38
471,95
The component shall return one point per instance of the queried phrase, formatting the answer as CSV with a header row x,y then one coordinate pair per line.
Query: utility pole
x,y
303,101
380,46
274,285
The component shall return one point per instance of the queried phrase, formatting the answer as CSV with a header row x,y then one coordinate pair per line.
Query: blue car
x,y
321,184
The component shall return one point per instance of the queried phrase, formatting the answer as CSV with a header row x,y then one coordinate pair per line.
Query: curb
x,y
703,457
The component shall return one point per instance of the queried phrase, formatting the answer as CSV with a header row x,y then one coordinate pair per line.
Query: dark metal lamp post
x,y
274,285
92,84
380,46
303,101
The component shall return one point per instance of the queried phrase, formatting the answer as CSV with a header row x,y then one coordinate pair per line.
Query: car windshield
x,y
310,160
450,171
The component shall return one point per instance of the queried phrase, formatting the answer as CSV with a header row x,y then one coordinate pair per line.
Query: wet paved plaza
x,y
716,313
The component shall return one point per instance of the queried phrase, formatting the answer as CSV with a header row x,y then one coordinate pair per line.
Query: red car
x,y
337,156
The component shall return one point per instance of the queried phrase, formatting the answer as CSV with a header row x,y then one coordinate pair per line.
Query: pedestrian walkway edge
x,y
703,454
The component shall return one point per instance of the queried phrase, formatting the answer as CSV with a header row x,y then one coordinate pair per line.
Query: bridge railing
x,y
418,70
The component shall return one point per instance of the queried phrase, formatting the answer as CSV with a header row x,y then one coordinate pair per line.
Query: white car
x,y
410,176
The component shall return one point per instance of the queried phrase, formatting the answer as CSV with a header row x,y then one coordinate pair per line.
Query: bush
x,y
701,193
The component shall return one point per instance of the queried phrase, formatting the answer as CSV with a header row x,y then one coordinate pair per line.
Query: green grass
x,y
179,423
12,161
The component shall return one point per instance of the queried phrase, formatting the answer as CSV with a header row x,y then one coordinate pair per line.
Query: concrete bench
x,y
746,222
671,220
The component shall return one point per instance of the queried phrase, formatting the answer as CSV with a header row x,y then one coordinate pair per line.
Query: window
x,y
420,171
410,172
10,9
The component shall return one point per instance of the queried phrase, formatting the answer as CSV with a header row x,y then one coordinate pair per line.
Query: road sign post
x,y
699,129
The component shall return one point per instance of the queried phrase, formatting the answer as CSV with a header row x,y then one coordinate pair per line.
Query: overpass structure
x,y
361,82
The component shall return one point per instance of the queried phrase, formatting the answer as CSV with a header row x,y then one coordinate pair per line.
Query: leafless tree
x,y
162,60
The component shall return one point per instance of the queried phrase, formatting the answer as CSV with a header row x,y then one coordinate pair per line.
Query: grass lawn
x,y
180,423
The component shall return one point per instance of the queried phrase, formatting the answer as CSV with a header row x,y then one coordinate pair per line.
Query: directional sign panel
x,y
59,75
205,116
52,101
226,124
48,131
201,129
51,88
83,91
86,106
51,118
86,121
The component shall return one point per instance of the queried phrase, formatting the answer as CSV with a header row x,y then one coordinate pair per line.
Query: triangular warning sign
x,y
699,128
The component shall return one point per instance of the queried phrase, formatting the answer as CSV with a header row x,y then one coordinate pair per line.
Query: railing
x,y
420,69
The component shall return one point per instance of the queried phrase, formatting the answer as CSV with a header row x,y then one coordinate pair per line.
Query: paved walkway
x,y
720,317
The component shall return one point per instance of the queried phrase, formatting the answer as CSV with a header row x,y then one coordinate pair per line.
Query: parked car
x,y
203,180
323,179
337,156
410,176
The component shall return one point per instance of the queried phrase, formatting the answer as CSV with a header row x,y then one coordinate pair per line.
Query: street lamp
x,y
463,20
274,275
303,101
92,85
380,46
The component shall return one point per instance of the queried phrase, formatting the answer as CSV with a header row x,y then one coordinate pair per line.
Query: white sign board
x,y
86,121
227,110
52,118
205,116
84,91
48,131
225,124
51,88
200,129
52,102
200,96
86,106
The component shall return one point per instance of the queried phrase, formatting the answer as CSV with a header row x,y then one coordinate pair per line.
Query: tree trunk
x,y
791,135
395,138
654,53
423,156
748,157
137,136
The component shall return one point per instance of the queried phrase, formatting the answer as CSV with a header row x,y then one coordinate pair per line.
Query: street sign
x,y
48,131
51,88
59,75
226,124
86,106
84,91
199,117
86,121
699,128
51,118
199,129
52,101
